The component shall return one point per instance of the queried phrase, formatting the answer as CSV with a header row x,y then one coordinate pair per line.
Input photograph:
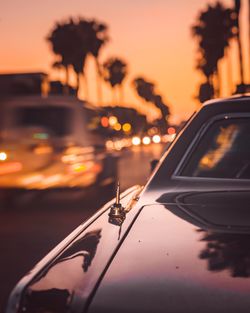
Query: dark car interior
x,y
222,152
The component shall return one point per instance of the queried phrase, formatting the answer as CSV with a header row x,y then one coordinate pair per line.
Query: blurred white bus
x,y
45,144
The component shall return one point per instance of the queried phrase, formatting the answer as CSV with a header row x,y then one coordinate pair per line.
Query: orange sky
x,y
153,36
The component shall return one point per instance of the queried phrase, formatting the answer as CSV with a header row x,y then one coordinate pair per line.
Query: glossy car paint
x,y
70,272
183,247
170,264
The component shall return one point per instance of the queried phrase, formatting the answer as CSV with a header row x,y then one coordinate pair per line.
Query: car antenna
x,y
117,212
117,198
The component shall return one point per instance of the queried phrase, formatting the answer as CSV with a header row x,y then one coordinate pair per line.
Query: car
x,y
46,145
181,243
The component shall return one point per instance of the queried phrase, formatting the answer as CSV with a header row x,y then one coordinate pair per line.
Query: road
x,y
27,233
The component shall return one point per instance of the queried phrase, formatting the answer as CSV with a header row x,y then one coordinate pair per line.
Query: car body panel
x,y
68,275
182,258
187,136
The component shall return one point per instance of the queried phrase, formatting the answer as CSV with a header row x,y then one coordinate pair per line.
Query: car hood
x,y
190,254
182,257
66,278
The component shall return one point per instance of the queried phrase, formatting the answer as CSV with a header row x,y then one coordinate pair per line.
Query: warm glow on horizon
x,y
154,37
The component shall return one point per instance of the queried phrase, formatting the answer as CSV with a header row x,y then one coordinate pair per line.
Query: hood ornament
x,y
117,213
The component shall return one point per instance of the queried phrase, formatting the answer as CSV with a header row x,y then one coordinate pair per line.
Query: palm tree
x,y
63,39
237,6
57,65
78,66
93,37
213,30
83,31
158,101
73,41
114,72
146,90
98,38
206,92
249,34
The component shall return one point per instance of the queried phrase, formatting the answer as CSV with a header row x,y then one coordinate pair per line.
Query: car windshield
x,y
222,152
56,120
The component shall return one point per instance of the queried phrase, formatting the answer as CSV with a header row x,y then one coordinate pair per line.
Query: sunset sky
x,y
153,36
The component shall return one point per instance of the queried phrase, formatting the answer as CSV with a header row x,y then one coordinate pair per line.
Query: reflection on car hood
x,y
183,258
219,210
188,255
66,278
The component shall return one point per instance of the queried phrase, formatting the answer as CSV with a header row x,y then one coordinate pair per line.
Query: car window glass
x,y
222,152
56,119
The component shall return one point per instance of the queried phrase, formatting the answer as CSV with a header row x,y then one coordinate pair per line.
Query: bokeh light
x,y
136,141
113,120
104,121
146,140
171,130
117,126
3,156
126,127
156,139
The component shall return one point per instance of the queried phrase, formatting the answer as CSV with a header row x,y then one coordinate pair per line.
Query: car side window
x,y
222,152
54,118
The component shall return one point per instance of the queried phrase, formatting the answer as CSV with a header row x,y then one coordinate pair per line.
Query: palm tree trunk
x,y
249,37
114,96
210,80
78,82
242,79
98,82
86,88
66,86
218,76
229,72
66,75
164,121
237,10
215,83
121,94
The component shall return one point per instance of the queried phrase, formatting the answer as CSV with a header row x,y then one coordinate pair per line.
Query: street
x,y
27,233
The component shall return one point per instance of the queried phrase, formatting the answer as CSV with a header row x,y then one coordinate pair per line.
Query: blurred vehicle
x,y
118,144
156,139
179,244
45,144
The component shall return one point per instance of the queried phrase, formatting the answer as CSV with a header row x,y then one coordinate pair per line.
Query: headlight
x,y
136,141
146,140
3,156
156,139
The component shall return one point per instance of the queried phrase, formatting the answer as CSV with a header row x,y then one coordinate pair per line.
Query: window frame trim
x,y
194,143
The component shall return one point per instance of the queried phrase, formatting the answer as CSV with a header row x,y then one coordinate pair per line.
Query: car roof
x,y
239,100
